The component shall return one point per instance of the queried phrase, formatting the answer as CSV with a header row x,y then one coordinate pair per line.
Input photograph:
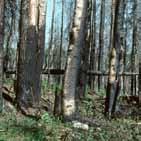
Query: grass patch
x,y
16,127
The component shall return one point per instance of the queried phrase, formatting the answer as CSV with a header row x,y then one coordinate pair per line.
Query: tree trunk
x,y
139,46
51,39
30,53
124,44
1,50
113,80
57,102
133,78
77,37
93,46
101,42
82,82
40,46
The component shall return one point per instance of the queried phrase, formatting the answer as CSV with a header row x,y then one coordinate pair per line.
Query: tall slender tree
x,y
1,50
92,65
51,38
113,79
57,102
134,41
101,41
124,29
82,82
139,45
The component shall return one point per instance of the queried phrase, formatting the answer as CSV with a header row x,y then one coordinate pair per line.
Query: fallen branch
x,y
6,95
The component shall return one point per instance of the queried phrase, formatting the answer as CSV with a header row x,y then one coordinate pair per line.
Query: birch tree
x,y
77,36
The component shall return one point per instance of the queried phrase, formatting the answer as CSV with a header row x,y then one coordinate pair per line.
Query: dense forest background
x,y
71,62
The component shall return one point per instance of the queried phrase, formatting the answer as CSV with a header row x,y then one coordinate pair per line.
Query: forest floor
x,y
125,127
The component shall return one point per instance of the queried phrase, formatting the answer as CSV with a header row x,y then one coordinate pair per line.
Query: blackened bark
x,y
30,53
40,46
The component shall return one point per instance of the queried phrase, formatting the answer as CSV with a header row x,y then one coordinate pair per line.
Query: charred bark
x,y
30,53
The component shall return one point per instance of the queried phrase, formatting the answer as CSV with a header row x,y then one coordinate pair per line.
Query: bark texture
x,y
77,36
30,53
1,50
57,101
139,46
101,42
113,77
92,54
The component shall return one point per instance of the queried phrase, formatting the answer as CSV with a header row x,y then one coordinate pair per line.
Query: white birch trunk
x,y
74,57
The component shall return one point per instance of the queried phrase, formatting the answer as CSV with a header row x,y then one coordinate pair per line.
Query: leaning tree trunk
x,y
113,78
30,53
1,50
77,36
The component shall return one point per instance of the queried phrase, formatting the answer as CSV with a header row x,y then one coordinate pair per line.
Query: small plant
x,y
46,118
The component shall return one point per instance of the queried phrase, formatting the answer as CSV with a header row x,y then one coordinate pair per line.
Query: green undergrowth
x,y
16,127
13,128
